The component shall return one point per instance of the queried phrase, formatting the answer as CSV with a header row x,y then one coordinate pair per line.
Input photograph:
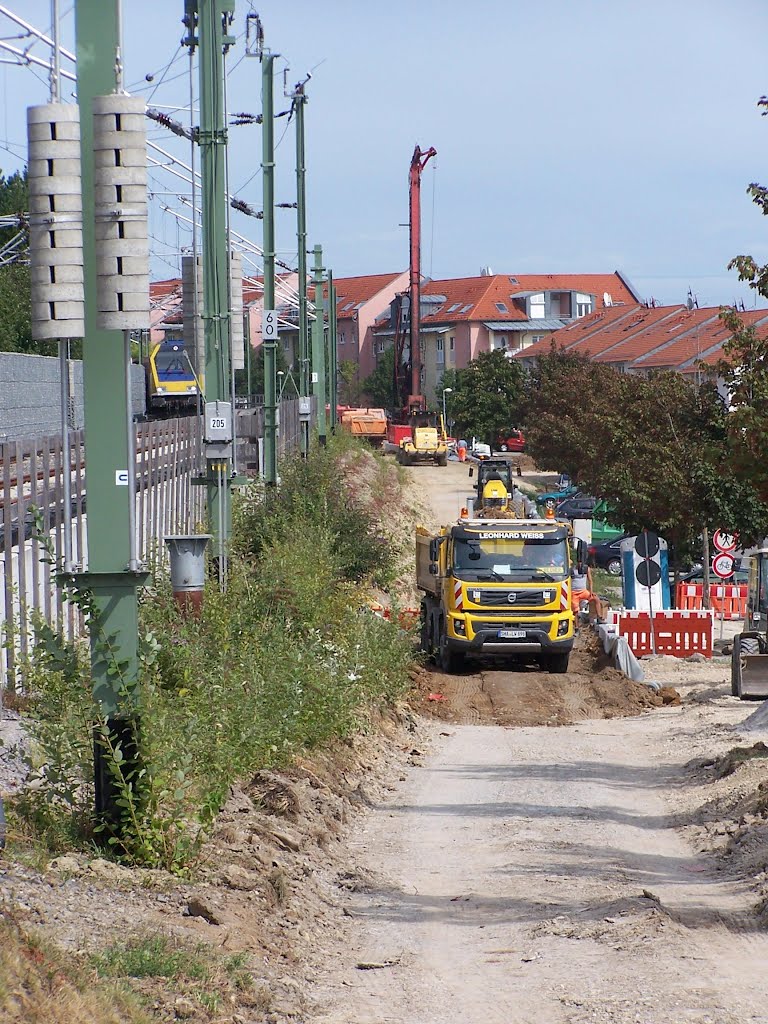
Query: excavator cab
x,y
749,658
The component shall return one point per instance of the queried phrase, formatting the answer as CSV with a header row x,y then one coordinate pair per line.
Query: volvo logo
x,y
511,597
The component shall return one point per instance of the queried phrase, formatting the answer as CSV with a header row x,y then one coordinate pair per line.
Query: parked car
x,y
559,494
577,506
740,577
606,555
511,441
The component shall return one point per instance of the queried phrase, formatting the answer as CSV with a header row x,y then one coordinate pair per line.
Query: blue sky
x,y
572,136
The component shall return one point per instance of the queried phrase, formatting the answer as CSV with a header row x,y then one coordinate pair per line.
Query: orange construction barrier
x,y
679,633
728,599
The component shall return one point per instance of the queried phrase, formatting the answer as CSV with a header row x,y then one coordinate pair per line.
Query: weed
x,y
153,956
38,982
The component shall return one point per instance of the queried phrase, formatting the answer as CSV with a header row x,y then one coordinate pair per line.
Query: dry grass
x,y
39,985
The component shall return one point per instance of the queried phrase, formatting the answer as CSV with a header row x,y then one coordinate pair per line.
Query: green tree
x,y
486,396
350,389
256,356
656,448
568,411
14,201
16,312
380,385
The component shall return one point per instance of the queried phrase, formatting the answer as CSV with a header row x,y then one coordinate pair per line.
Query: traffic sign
x,y
724,541
269,329
722,565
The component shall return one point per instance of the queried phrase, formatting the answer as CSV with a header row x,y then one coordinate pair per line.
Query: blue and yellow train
x,y
173,387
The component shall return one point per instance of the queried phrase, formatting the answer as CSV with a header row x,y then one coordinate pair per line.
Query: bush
x,y
287,660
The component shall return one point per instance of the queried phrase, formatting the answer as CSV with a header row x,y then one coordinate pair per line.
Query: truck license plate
x,y
511,634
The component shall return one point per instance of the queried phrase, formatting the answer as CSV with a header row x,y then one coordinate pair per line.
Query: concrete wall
x,y
29,395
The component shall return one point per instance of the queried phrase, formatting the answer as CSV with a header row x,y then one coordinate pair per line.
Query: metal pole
x,y
248,351
299,101
105,396
332,370
133,561
318,346
56,65
269,345
213,17
66,452
650,590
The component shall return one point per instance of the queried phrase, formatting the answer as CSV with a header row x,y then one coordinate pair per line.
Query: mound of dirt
x,y
524,695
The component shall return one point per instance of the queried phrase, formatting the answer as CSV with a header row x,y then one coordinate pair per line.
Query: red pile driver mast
x,y
415,401
419,161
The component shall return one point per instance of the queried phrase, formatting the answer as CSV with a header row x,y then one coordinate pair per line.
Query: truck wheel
x,y
448,660
557,664
442,460
426,638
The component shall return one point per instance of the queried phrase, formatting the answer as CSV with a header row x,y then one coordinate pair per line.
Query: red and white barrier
x,y
728,599
676,632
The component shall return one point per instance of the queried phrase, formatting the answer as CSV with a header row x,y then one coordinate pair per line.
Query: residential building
x,y
462,317
642,339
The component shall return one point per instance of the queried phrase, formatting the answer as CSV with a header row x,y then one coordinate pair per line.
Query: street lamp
x,y
446,391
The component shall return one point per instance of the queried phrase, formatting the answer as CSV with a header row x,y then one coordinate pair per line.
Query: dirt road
x,y
535,875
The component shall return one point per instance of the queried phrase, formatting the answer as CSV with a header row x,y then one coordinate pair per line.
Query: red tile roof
x,y
481,294
353,291
581,330
642,338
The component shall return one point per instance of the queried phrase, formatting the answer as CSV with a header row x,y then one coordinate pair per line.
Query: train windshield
x,y
173,366
502,559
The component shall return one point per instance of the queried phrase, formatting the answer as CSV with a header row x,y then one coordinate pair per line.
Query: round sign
x,y
648,573
647,544
722,565
724,541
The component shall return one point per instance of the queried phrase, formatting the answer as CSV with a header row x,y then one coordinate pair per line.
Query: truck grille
x,y
503,598
499,624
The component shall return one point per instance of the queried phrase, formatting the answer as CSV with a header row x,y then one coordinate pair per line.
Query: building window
x,y
584,304
537,307
440,358
342,339
422,346
451,344
537,337
380,346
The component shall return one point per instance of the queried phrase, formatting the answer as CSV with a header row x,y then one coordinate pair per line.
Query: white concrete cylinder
x,y
120,196
55,221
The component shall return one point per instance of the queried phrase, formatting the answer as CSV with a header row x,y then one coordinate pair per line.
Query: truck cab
x,y
497,588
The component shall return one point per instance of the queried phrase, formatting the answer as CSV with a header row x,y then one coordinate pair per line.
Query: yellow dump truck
x,y
499,588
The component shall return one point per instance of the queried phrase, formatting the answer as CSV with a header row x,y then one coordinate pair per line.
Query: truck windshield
x,y
503,559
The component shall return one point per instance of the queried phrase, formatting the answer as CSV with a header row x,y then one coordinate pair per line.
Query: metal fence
x,y
169,455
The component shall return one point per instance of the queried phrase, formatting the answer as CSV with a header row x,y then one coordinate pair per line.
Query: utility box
x,y
305,409
218,432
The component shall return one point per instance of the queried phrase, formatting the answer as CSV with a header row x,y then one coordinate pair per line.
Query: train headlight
x,y
161,391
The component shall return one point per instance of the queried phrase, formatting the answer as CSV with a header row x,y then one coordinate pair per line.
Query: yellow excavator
x,y
425,442
749,657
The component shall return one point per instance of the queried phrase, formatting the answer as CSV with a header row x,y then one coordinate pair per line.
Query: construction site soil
x,y
488,693
458,862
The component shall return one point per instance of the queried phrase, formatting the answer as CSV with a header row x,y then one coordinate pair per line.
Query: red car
x,y
511,441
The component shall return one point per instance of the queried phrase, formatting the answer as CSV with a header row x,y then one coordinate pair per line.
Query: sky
x,y
573,136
